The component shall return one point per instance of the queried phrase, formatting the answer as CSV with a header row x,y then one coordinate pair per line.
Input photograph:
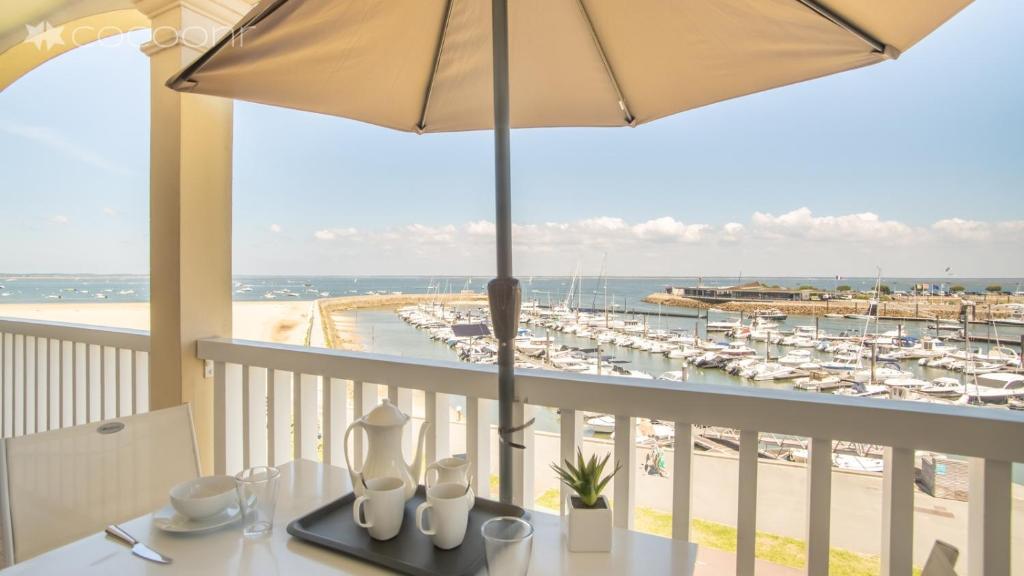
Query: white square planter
x,y
590,529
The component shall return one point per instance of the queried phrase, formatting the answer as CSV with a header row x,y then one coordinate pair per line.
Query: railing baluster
x,y
989,506
44,411
117,382
142,382
897,511
4,402
220,421
135,381
304,397
402,398
522,460
25,386
437,407
88,383
62,381
51,422
478,444
246,418
104,405
625,480
19,386
819,504
746,518
335,419
278,448
571,438
31,384
74,383
682,476
257,406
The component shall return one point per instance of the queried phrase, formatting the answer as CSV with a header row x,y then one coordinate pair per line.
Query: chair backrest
x,y
59,486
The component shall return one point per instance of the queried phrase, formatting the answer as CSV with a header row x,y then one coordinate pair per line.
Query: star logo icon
x,y
45,34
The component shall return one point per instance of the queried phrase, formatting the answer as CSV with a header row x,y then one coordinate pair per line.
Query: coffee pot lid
x,y
386,414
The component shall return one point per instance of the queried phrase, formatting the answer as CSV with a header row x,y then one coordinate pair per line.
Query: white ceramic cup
x,y
448,470
449,504
383,504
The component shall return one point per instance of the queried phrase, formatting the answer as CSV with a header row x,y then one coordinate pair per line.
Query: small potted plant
x,y
590,516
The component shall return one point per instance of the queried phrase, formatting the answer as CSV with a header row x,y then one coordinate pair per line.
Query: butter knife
x,y
138,548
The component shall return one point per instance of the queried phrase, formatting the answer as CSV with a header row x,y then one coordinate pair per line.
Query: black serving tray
x,y
411,552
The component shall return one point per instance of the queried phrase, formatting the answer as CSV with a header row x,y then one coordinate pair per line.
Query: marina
x,y
853,357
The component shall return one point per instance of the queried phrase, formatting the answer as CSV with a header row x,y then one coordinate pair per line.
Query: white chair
x,y
59,486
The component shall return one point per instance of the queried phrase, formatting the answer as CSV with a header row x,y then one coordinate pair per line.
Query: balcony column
x,y
190,209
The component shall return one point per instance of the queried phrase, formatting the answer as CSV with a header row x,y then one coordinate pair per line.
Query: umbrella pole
x,y
503,229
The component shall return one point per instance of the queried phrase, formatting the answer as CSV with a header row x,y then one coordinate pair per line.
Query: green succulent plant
x,y
585,477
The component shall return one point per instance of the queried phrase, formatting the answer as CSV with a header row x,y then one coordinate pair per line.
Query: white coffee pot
x,y
384,425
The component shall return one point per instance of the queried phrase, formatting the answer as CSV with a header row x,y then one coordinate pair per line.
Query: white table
x,y
305,486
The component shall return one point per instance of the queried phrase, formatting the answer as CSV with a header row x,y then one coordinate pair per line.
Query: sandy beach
x,y
281,322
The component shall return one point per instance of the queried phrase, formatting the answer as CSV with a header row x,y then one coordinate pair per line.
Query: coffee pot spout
x,y
416,467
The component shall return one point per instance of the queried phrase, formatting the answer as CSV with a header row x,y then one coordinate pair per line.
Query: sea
x,y
624,292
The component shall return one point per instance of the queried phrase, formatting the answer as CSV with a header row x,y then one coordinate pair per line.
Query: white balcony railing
x,y
54,375
260,390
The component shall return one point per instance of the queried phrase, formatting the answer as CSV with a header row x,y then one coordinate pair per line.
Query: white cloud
x,y
801,223
667,229
59,219
275,228
961,229
110,211
480,228
432,234
797,242
335,233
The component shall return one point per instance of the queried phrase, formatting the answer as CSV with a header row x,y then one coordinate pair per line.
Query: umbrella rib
x,y
183,80
845,24
421,125
630,119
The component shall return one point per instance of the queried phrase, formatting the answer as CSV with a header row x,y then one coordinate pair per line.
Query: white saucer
x,y
169,520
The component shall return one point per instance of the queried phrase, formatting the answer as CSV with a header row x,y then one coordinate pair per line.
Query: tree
x,y
957,289
806,287
884,289
843,288
993,288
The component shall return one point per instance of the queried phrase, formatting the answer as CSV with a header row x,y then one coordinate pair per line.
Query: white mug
x,y
448,470
449,504
384,506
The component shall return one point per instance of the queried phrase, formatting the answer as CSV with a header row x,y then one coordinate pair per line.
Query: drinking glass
x,y
257,496
508,544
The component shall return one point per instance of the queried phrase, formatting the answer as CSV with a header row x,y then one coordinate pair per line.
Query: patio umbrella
x,y
450,65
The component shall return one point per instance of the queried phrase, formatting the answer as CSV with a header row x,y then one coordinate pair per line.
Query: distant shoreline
x,y
738,279
941,307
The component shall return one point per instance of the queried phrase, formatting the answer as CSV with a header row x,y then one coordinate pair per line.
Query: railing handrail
x,y
124,338
962,430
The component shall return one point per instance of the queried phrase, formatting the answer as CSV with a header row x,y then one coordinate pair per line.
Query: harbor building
x,y
751,291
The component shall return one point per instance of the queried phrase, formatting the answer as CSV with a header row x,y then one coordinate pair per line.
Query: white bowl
x,y
203,497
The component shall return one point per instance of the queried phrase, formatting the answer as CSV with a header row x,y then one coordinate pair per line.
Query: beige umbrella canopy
x,y
450,65
425,65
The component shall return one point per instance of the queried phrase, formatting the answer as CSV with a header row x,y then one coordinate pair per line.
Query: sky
x,y
913,166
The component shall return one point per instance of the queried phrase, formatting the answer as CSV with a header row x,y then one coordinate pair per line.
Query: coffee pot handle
x,y
348,461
